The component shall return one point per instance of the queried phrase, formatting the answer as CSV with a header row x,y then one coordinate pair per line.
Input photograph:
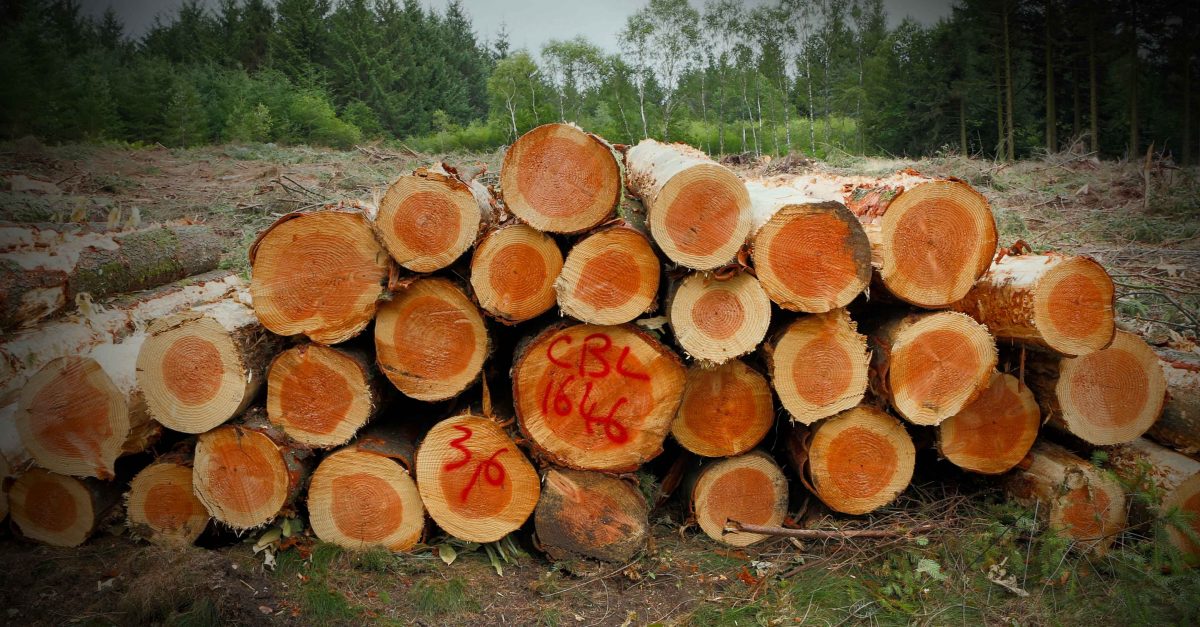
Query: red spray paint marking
x,y
593,363
486,468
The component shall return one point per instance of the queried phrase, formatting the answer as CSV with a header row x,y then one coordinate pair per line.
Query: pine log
x,y
749,489
725,411
810,255
1171,481
609,277
697,211
718,319
513,272
428,219
819,365
37,283
592,515
994,432
162,506
431,340
77,415
1179,424
321,396
1111,396
23,353
1059,302
474,481
247,473
932,365
558,178
58,510
362,496
1081,503
596,398
318,274
858,461
204,366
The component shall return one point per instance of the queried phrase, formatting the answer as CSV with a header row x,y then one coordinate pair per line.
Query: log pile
x,y
529,348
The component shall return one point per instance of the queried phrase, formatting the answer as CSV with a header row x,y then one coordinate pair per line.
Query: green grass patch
x,y
432,598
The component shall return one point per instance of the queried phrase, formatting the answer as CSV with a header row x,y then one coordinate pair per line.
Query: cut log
x,y
810,255
1179,424
749,489
932,365
475,483
1059,302
362,496
1172,482
247,473
318,274
202,367
560,179
36,283
428,219
1111,396
719,319
994,432
610,277
596,398
819,365
1081,503
697,211
513,273
77,415
592,515
23,353
859,460
162,506
725,411
59,510
430,340
321,396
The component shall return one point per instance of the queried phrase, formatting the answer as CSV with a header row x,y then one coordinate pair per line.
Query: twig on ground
x,y
823,534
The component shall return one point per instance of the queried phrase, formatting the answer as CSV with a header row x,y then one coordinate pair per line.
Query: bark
x,y
513,272
321,396
428,219
749,489
716,319
590,515
1179,424
1171,482
58,510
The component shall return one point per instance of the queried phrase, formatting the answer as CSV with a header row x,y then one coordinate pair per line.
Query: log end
x,y
725,410
812,257
749,489
320,396
820,366
592,515
1114,395
513,273
995,431
1186,498
162,506
240,476
609,277
52,508
361,500
427,219
717,320
938,364
860,460
1074,307
700,216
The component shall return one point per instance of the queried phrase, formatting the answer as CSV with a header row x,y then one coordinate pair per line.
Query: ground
x,y
980,560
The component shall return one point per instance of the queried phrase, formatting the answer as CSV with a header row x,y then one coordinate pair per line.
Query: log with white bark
x,y
1179,424
609,277
161,505
726,410
857,461
321,395
749,489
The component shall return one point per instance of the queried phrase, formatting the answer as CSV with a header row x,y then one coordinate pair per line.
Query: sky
x,y
530,23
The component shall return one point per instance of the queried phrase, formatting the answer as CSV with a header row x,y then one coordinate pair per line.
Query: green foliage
x,y
248,124
432,598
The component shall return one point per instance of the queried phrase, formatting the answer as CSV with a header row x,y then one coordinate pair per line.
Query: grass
x,y
434,598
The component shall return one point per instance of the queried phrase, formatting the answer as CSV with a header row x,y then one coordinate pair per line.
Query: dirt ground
x,y
1144,225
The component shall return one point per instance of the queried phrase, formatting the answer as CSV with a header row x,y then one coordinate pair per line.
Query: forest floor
x,y
985,561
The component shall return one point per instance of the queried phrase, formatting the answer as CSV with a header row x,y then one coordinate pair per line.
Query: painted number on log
x,y
492,470
572,384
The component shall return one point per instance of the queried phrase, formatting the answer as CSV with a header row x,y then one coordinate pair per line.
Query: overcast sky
x,y
530,23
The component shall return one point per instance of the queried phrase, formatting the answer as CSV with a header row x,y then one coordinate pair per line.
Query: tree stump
x,y
749,489
819,365
719,319
994,432
321,396
725,411
513,273
592,515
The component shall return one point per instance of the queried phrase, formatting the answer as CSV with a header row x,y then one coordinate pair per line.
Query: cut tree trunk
x,y
592,515
1179,424
37,283
162,506
247,473
59,510
1111,396
749,489
819,365
725,411
431,340
718,319
932,365
513,272
610,277
697,211
319,274
204,366
321,396
810,255
596,398
1172,481
1059,302
23,353
77,415
475,483
559,179
362,496
994,432
428,219
858,461
1081,503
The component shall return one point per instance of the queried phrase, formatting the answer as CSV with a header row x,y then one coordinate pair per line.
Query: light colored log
x,y
428,219
718,319
995,431
819,365
513,272
726,410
